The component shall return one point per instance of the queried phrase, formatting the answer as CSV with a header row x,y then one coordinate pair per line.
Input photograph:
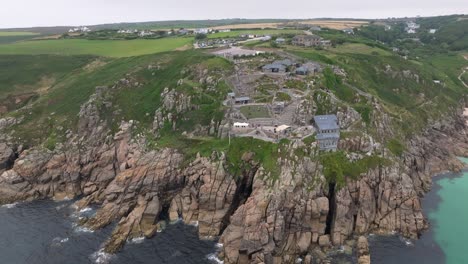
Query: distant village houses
x,y
144,33
310,41
411,27
348,31
79,30
202,31
127,31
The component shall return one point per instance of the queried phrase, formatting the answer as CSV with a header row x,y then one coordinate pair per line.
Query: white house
x,y
432,31
241,125
145,33
202,31
283,129
127,31
79,29
411,27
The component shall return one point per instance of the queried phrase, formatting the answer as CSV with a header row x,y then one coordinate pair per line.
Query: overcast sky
x,y
27,13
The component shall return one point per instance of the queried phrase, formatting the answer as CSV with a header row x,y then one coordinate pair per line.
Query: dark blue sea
x,y
44,232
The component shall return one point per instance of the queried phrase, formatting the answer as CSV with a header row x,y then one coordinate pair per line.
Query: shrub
x,y
337,167
396,147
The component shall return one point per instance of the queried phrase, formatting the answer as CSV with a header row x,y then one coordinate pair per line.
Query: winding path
x,y
463,72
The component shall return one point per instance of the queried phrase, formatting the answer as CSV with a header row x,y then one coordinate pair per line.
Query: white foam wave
x,y
214,258
219,246
59,240
407,241
9,206
87,209
194,223
82,229
101,257
136,240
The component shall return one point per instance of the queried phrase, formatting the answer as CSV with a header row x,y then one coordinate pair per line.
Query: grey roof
x,y
326,122
285,62
245,98
327,136
274,66
302,69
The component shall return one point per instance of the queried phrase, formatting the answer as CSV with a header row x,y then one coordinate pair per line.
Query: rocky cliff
x,y
259,217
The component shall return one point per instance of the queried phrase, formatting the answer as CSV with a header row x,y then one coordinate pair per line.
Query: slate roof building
x,y
309,68
274,67
242,100
328,132
307,40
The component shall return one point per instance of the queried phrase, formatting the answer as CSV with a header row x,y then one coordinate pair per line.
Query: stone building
x,y
328,132
310,41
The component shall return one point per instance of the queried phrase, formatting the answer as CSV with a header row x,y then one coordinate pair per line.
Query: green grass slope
x,y
107,48
24,73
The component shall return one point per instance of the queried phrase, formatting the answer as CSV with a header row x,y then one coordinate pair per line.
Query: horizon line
x,y
233,18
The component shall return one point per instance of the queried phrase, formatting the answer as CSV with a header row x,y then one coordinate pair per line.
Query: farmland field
x,y
334,24
107,48
14,33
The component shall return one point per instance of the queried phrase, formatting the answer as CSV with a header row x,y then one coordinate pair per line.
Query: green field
x,y
236,33
19,33
255,111
107,48
359,48
27,73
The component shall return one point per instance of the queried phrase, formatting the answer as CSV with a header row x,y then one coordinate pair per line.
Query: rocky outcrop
x,y
363,250
7,157
358,143
261,216
173,103
207,198
279,221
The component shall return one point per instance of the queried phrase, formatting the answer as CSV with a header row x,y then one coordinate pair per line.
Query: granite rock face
x,y
259,217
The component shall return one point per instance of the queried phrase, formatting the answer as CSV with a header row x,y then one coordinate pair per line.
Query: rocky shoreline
x,y
257,219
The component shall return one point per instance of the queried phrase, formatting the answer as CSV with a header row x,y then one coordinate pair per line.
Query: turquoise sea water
x,y
450,219
446,207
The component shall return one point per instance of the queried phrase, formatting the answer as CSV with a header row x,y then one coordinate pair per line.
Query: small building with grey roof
x,y
308,68
274,67
328,132
278,66
307,40
242,100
